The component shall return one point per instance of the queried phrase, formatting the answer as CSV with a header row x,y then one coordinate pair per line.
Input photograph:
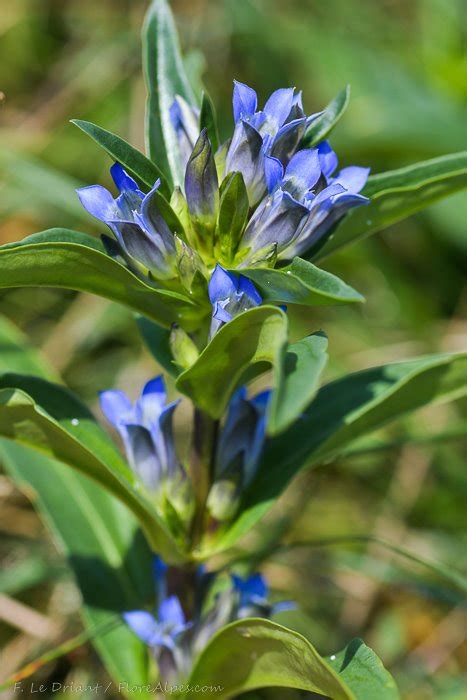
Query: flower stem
x,y
202,465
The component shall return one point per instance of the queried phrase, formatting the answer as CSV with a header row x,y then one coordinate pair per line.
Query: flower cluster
x,y
260,199
176,640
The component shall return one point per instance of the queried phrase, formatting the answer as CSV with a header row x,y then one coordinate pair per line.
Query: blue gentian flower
x,y
253,592
146,429
303,205
230,294
275,130
238,453
145,240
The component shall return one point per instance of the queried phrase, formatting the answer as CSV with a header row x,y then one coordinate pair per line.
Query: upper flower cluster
x,y
260,198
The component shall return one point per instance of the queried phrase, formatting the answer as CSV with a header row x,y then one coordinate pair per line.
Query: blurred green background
x,y
407,64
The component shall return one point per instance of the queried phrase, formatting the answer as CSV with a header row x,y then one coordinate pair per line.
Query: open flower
x,y
144,238
229,295
303,205
146,429
275,130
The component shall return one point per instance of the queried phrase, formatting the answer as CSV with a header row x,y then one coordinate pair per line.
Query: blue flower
x,y
253,593
145,240
229,295
146,429
275,130
161,631
239,450
305,201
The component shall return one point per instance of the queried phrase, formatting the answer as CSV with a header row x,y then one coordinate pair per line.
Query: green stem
x,y
202,465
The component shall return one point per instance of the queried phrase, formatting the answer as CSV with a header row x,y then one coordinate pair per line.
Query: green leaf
x,y
397,194
48,418
73,260
157,340
325,123
134,162
165,78
233,214
297,381
100,537
255,653
341,412
363,672
208,120
241,350
301,282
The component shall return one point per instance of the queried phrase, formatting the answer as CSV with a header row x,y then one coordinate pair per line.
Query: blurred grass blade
x,y
322,126
73,260
165,78
48,418
266,655
60,650
397,194
105,548
456,578
135,163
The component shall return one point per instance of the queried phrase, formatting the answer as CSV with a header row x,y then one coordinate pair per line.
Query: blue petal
x,y
283,606
220,314
162,435
246,286
327,158
261,399
278,106
122,180
142,455
98,202
303,172
222,285
143,624
353,178
116,406
327,193
288,138
245,101
159,568
171,612
151,402
274,172
246,156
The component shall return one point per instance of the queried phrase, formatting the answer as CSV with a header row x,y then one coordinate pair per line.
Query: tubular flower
x,y
229,295
302,206
185,121
146,429
239,449
144,238
275,130
176,641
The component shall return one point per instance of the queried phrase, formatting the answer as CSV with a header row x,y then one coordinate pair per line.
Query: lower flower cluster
x,y
176,636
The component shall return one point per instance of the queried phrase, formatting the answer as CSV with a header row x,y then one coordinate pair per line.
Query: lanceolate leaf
x,y
48,418
297,381
343,411
165,78
325,123
397,194
254,653
242,349
301,283
134,162
73,260
363,672
100,537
